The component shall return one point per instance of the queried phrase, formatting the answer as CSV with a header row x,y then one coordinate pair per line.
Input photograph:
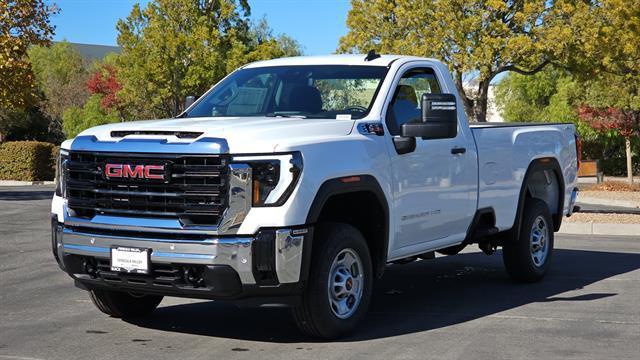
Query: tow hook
x,y
193,276
90,267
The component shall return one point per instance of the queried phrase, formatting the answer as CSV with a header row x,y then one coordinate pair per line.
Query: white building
x,y
493,115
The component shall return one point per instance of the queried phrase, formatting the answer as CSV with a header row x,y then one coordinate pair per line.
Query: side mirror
x,y
439,118
188,101
404,145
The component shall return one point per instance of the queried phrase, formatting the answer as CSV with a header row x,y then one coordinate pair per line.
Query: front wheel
x,y
527,257
340,283
122,304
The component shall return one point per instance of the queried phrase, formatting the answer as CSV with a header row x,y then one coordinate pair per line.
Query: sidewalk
x,y
602,224
609,209
593,179
24,183
592,228
628,199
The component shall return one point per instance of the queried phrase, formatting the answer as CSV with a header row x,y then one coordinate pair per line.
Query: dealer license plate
x,y
130,260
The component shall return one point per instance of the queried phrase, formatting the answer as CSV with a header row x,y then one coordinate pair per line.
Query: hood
x,y
243,134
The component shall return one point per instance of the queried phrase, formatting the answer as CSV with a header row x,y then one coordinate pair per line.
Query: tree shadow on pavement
x,y
16,195
411,298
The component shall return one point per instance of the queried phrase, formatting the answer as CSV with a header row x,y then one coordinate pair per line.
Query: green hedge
x,y
27,160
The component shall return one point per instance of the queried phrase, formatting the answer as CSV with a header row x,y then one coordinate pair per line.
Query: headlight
x,y
60,170
273,177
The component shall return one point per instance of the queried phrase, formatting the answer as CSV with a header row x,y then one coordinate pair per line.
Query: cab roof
x,y
348,59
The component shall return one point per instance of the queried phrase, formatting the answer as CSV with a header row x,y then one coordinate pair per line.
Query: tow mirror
x,y
439,118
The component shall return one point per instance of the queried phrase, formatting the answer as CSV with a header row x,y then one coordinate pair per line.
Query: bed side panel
x,y
504,155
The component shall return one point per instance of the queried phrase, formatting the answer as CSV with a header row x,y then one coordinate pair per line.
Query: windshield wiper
x,y
285,114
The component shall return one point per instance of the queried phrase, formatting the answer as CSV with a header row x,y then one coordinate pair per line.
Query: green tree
x,y
552,95
609,40
548,96
608,66
175,48
483,37
262,44
77,119
611,104
556,95
25,124
61,76
23,23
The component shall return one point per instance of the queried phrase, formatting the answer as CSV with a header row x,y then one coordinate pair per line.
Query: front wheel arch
x,y
340,199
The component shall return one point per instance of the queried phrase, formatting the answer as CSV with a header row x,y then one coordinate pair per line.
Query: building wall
x,y
493,114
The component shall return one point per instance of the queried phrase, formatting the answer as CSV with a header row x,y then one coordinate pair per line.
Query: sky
x,y
316,24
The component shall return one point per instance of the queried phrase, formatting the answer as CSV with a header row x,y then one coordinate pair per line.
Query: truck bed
x,y
505,151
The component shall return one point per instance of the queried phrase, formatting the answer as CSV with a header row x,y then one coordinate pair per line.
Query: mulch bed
x,y
611,186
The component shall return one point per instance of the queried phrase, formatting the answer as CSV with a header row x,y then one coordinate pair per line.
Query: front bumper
x,y
272,263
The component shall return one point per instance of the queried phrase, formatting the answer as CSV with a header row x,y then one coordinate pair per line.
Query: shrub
x,y
55,153
27,161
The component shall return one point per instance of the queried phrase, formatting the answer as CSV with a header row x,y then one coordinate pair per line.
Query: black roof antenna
x,y
371,55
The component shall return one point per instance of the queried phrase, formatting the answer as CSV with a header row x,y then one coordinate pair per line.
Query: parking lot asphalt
x,y
456,307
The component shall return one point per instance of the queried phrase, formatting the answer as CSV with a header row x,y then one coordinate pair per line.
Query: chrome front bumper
x,y
236,252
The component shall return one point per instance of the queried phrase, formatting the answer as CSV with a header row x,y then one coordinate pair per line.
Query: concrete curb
x,y
24,183
607,202
591,228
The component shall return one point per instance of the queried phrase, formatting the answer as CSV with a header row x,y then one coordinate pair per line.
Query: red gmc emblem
x,y
153,172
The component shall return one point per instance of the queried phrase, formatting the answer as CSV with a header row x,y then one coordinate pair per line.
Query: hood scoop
x,y
178,134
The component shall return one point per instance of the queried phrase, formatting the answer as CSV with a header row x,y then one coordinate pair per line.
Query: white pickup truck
x,y
296,181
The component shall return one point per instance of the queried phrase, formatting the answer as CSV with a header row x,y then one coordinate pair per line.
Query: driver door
x,y
434,189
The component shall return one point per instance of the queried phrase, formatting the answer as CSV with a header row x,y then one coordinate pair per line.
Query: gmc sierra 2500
x,y
295,181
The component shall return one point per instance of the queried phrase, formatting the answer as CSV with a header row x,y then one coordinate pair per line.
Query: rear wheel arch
x,y
359,201
543,180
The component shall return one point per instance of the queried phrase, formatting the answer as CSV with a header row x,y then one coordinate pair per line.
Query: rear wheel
x,y
340,283
527,257
122,304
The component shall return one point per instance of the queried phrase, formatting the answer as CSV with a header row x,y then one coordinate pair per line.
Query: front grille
x,y
194,190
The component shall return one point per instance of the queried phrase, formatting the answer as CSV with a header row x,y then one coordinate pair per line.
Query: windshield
x,y
310,91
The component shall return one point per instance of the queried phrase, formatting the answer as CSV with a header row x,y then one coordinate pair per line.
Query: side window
x,y
405,104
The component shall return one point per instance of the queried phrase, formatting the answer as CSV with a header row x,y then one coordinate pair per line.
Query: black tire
x,y
315,315
124,305
517,253
451,250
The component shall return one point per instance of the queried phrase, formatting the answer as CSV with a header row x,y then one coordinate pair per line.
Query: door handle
x,y
458,150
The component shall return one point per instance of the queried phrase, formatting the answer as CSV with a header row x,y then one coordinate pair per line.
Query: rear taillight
x,y
578,150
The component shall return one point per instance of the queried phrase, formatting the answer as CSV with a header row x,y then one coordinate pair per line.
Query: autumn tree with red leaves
x,y
105,83
625,122
103,105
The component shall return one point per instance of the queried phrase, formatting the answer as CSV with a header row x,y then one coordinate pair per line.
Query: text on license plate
x,y
131,260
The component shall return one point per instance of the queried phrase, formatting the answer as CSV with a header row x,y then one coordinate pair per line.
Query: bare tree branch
x,y
518,70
